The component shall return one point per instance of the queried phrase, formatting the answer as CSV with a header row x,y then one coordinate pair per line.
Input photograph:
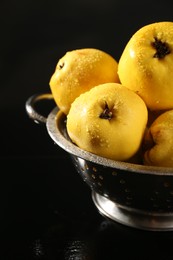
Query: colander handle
x,y
31,110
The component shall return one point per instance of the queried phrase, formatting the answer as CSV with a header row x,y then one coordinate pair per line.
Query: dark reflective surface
x,y
47,212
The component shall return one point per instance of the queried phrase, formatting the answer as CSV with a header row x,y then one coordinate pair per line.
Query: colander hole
x,y
122,181
127,191
166,184
93,176
114,173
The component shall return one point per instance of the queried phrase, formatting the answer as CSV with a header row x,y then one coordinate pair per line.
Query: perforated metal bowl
x,y
134,195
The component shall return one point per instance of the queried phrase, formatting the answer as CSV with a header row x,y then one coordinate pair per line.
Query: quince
x,y
146,65
158,141
108,120
78,71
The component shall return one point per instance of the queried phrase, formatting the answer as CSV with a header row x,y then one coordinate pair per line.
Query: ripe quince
x,y
158,141
146,65
108,120
78,71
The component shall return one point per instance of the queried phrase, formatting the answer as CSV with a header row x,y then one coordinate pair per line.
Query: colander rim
x,y
56,128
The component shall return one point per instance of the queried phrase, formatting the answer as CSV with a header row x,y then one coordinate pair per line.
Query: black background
x,y
46,209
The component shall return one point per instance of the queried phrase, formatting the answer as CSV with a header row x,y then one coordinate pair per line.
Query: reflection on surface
x,y
101,240
47,217
96,239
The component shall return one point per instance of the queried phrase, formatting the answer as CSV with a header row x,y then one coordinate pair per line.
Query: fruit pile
x,y
121,110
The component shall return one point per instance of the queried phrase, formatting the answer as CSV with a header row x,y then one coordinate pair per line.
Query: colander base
x,y
131,217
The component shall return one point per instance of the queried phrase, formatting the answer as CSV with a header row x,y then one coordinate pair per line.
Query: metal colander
x,y
135,195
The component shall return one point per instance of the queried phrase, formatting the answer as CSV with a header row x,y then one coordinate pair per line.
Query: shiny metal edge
x,y
130,217
56,128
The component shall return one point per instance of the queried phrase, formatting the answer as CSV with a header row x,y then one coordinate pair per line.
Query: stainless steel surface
x,y
131,217
30,107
